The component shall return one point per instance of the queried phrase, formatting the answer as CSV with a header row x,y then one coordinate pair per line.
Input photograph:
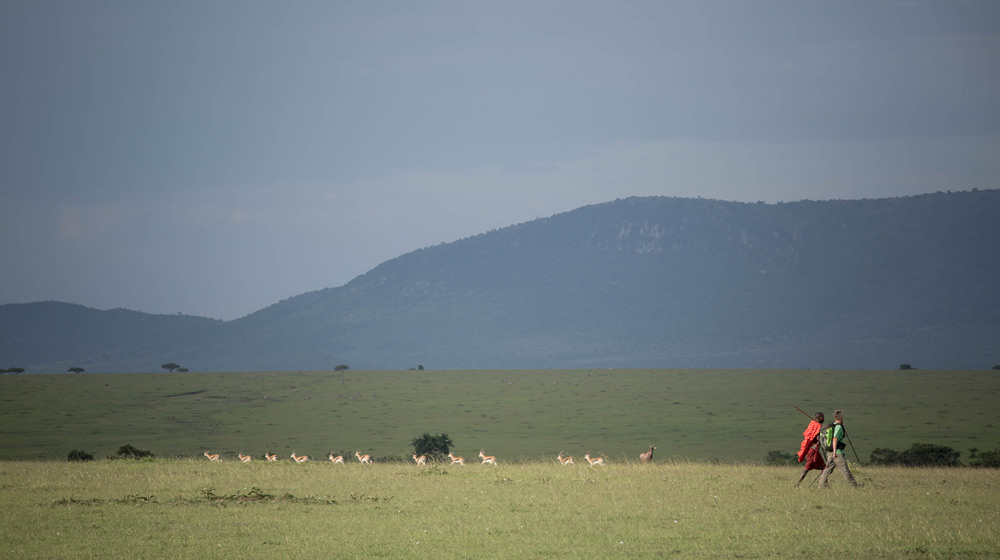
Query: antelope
x,y
336,458
363,458
565,460
647,456
245,458
213,456
595,461
421,460
458,460
488,458
271,456
299,458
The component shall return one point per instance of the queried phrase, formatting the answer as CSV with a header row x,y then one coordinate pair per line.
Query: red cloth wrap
x,y
812,430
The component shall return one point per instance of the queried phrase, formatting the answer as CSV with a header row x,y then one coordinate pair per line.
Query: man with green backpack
x,y
833,436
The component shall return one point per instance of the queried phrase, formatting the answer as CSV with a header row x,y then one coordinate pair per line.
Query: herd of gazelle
x,y
422,459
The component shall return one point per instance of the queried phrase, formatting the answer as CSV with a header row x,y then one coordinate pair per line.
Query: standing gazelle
x,y
647,456
490,459
456,460
363,458
599,461
568,460
421,460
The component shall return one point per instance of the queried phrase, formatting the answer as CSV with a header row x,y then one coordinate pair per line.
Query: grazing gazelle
x,y
363,458
213,456
336,458
647,456
245,458
565,460
271,456
421,460
456,460
299,458
595,461
488,458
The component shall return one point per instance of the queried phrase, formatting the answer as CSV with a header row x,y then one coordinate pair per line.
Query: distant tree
x,y
437,447
76,370
171,366
14,370
884,456
905,366
996,366
420,367
182,370
342,368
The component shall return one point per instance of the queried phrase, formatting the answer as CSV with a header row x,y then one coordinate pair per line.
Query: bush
x,y
918,455
883,456
435,447
986,459
77,455
128,452
776,457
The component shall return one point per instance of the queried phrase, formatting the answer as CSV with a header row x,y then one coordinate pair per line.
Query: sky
x,y
212,158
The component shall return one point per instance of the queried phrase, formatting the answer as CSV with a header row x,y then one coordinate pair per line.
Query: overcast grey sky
x,y
212,157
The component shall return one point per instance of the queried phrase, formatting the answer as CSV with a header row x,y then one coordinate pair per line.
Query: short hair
x,y
838,415
820,417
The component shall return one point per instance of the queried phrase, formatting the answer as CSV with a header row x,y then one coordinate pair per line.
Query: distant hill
x,y
640,282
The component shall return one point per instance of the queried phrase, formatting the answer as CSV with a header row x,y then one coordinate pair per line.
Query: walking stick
x,y
852,444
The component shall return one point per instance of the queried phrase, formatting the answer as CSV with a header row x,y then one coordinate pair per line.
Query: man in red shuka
x,y
810,451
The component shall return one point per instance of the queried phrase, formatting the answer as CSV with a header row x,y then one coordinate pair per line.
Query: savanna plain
x,y
707,493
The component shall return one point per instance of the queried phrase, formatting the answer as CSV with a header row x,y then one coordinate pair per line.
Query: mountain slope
x,y
648,282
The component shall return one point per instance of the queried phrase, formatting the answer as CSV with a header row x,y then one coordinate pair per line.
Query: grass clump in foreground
x,y
187,508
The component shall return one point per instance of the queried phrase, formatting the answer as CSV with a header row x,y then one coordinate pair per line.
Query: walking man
x,y
835,436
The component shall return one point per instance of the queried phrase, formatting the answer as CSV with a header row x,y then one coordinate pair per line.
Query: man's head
x,y
820,418
838,416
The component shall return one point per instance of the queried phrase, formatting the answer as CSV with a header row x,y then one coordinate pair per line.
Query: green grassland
x,y
685,504
516,415
188,508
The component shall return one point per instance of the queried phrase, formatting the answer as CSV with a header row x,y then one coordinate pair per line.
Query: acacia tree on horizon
x,y
170,366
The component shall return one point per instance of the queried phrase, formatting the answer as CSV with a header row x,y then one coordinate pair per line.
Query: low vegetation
x,y
172,508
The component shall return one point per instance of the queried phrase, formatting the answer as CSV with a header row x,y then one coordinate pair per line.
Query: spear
x,y
803,412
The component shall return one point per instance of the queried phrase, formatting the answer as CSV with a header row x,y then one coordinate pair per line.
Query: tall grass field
x,y
706,494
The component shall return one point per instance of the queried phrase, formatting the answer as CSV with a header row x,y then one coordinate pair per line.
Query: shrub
x,y
986,459
77,455
435,447
776,457
918,455
128,452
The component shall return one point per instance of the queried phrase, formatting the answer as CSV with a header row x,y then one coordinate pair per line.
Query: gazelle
x,y
568,460
647,456
363,458
336,458
488,458
421,460
245,458
213,456
299,458
456,460
599,461
271,456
